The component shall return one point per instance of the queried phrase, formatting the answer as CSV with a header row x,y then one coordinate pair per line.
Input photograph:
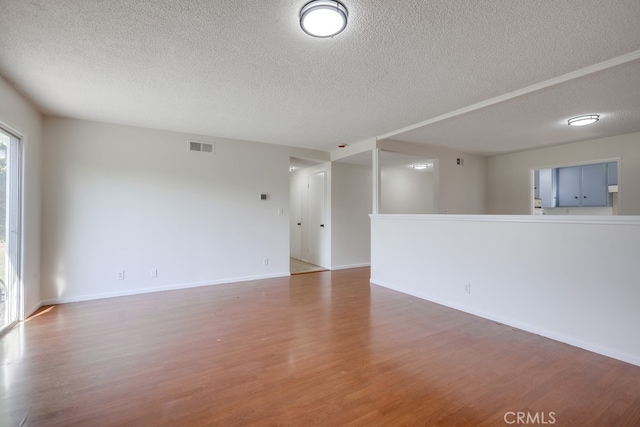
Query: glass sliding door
x,y
10,228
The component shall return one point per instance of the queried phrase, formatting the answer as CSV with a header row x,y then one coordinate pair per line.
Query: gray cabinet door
x,y
594,184
569,186
546,185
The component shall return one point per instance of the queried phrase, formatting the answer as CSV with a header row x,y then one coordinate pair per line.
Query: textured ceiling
x,y
245,69
540,118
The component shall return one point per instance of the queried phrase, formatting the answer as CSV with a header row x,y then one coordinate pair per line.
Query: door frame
x,y
13,227
322,249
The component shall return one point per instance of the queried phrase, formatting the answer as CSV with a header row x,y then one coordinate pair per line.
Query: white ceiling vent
x,y
205,147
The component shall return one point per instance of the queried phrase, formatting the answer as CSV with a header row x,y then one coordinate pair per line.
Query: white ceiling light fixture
x,y
420,166
323,18
583,120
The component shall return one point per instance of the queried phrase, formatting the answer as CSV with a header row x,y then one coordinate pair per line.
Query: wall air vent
x,y
205,147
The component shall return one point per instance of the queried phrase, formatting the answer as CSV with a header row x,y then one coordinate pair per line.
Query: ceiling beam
x,y
601,66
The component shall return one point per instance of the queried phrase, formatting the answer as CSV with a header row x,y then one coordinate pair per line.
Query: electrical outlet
x,y
154,273
265,261
121,275
467,288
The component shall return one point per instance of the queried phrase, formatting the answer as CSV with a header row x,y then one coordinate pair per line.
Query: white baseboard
x,y
346,267
129,292
28,313
590,346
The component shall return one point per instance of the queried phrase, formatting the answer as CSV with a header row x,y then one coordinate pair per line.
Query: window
x,y
10,228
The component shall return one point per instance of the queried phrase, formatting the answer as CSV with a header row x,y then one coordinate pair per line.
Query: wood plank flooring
x,y
319,349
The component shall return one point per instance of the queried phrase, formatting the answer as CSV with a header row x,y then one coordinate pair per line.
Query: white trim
x,y
548,219
29,313
161,289
13,131
614,62
625,357
19,210
5,329
348,266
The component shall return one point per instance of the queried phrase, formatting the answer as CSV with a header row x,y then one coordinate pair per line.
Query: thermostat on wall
x,y
263,196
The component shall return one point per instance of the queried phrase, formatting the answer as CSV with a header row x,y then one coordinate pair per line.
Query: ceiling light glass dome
x,y
583,120
323,18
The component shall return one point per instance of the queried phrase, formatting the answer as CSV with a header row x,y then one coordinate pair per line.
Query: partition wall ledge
x,y
542,219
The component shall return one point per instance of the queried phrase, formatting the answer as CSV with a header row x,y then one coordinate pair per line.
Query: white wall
x,y
124,198
19,116
573,279
508,175
461,189
350,208
407,191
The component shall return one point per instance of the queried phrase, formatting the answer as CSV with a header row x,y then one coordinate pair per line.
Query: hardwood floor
x,y
314,349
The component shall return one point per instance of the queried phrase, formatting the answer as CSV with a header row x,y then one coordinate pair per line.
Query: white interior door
x,y
316,219
295,218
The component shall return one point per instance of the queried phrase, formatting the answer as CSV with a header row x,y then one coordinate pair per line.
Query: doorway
x,y
308,198
10,229
316,230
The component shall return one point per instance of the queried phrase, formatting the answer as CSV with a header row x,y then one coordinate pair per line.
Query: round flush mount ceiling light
x,y
323,18
583,120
